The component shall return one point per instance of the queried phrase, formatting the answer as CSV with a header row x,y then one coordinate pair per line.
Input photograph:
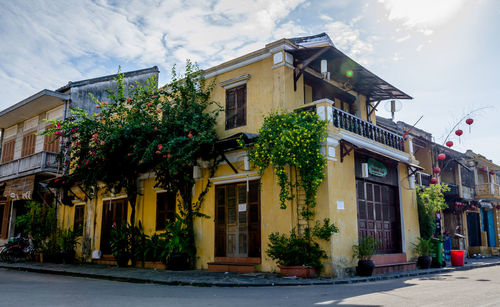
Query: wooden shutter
x,y
165,209
29,142
236,109
220,221
51,142
241,102
78,220
8,151
254,219
4,226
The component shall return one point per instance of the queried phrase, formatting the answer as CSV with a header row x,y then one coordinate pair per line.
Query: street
x,y
478,287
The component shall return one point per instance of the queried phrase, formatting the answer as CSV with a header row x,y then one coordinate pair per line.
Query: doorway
x,y
114,212
378,215
237,220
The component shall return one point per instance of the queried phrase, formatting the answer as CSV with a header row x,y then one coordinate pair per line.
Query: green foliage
x,y
154,247
294,250
324,231
120,241
429,201
292,139
176,238
366,248
39,222
68,240
423,247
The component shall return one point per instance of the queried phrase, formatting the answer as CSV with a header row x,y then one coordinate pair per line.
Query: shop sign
x,y
376,168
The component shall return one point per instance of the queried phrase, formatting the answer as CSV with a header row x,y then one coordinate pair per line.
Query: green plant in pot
x,y
423,249
363,252
176,244
120,244
68,242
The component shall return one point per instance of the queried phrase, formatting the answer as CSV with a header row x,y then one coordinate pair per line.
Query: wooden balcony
x,y
484,190
39,162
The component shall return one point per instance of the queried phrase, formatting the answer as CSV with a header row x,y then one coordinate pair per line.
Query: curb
x,y
344,281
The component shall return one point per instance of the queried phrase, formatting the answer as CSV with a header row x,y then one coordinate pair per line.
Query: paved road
x,y
478,287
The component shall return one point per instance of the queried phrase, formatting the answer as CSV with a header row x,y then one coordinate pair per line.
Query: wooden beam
x,y
345,149
373,108
304,64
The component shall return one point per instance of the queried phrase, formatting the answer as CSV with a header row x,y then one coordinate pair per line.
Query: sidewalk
x,y
219,279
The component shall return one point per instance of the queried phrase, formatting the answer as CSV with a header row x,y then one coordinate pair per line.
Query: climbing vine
x,y
292,140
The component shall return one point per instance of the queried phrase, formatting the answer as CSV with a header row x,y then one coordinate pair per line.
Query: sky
x,y
442,53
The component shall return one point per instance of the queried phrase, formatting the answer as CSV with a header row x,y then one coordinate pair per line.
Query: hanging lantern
x,y
459,133
449,144
434,180
441,156
436,170
469,122
492,172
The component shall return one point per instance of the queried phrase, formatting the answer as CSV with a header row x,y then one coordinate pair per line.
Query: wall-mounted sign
x,y
376,168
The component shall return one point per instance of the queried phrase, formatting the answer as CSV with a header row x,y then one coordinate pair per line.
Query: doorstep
x,y
234,264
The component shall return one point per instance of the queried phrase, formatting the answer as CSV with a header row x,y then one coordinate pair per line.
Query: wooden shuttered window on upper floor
x,y
236,107
8,151
29,143
51,142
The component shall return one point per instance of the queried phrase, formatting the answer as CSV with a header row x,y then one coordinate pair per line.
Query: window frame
x,y
167,213
80,220
8,156
239,106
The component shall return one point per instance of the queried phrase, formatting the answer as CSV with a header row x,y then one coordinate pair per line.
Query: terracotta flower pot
x,y
299,271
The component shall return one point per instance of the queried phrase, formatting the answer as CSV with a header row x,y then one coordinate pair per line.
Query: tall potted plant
x,y
176,250
68,242
120,244
423,249
364,252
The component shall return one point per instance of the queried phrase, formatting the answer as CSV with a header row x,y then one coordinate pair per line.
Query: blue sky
x,y
443,53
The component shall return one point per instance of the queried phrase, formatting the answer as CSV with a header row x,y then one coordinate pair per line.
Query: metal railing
x,y
43,161
366,129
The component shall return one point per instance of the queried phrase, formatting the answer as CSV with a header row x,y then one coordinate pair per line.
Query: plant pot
x,y
365,268
152,265
122,260
69,257
424,262
178,262
299,271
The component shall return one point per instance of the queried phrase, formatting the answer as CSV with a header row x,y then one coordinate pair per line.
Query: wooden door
x,y
378,215
237,222
4,219
473,229
114,212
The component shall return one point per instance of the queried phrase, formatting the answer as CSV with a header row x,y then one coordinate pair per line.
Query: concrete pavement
x,y
221,279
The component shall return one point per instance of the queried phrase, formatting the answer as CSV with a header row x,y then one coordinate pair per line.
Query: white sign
x,y
242,207
340,205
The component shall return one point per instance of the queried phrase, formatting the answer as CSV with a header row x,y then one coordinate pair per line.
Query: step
x,y
394,267
234,264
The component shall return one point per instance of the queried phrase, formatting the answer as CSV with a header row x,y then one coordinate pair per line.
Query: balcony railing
x,y
453,190
361,127
487,189
40,162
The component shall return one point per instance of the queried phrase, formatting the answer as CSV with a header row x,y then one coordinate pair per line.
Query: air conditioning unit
x,y
364,170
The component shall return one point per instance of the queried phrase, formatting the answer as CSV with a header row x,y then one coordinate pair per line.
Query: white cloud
x,y
404,38
423,14
52,42
347,39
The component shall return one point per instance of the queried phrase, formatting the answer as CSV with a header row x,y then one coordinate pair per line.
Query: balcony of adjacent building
x,y
43,161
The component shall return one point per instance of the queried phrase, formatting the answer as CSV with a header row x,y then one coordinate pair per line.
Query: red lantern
x,y
492,172
436,170
469,122
434,180
449,144
459,133
441,157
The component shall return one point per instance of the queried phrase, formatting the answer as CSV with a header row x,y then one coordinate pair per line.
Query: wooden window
x,y
78,221
8,151
29,142
165,209
236,107
51,142
4,220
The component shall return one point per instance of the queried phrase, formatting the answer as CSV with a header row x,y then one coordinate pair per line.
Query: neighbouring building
x,y
28,159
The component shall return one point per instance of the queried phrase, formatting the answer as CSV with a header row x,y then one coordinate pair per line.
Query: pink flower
x,y
158,152
160,146
95,135
105,103
98,106
56,180
158,111
87,162
58,126
150,104
102,142
129,99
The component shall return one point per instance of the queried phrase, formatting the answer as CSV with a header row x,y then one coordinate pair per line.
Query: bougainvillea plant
x,y
165,130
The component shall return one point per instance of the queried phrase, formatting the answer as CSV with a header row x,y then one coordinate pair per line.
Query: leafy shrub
x,y
365,248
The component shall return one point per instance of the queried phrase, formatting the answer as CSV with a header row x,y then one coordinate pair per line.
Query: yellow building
x,y
367,189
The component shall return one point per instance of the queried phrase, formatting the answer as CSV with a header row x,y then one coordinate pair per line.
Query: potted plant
x,y
153,247
296,255
176,244
68,242
423,249
364,252
120,244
